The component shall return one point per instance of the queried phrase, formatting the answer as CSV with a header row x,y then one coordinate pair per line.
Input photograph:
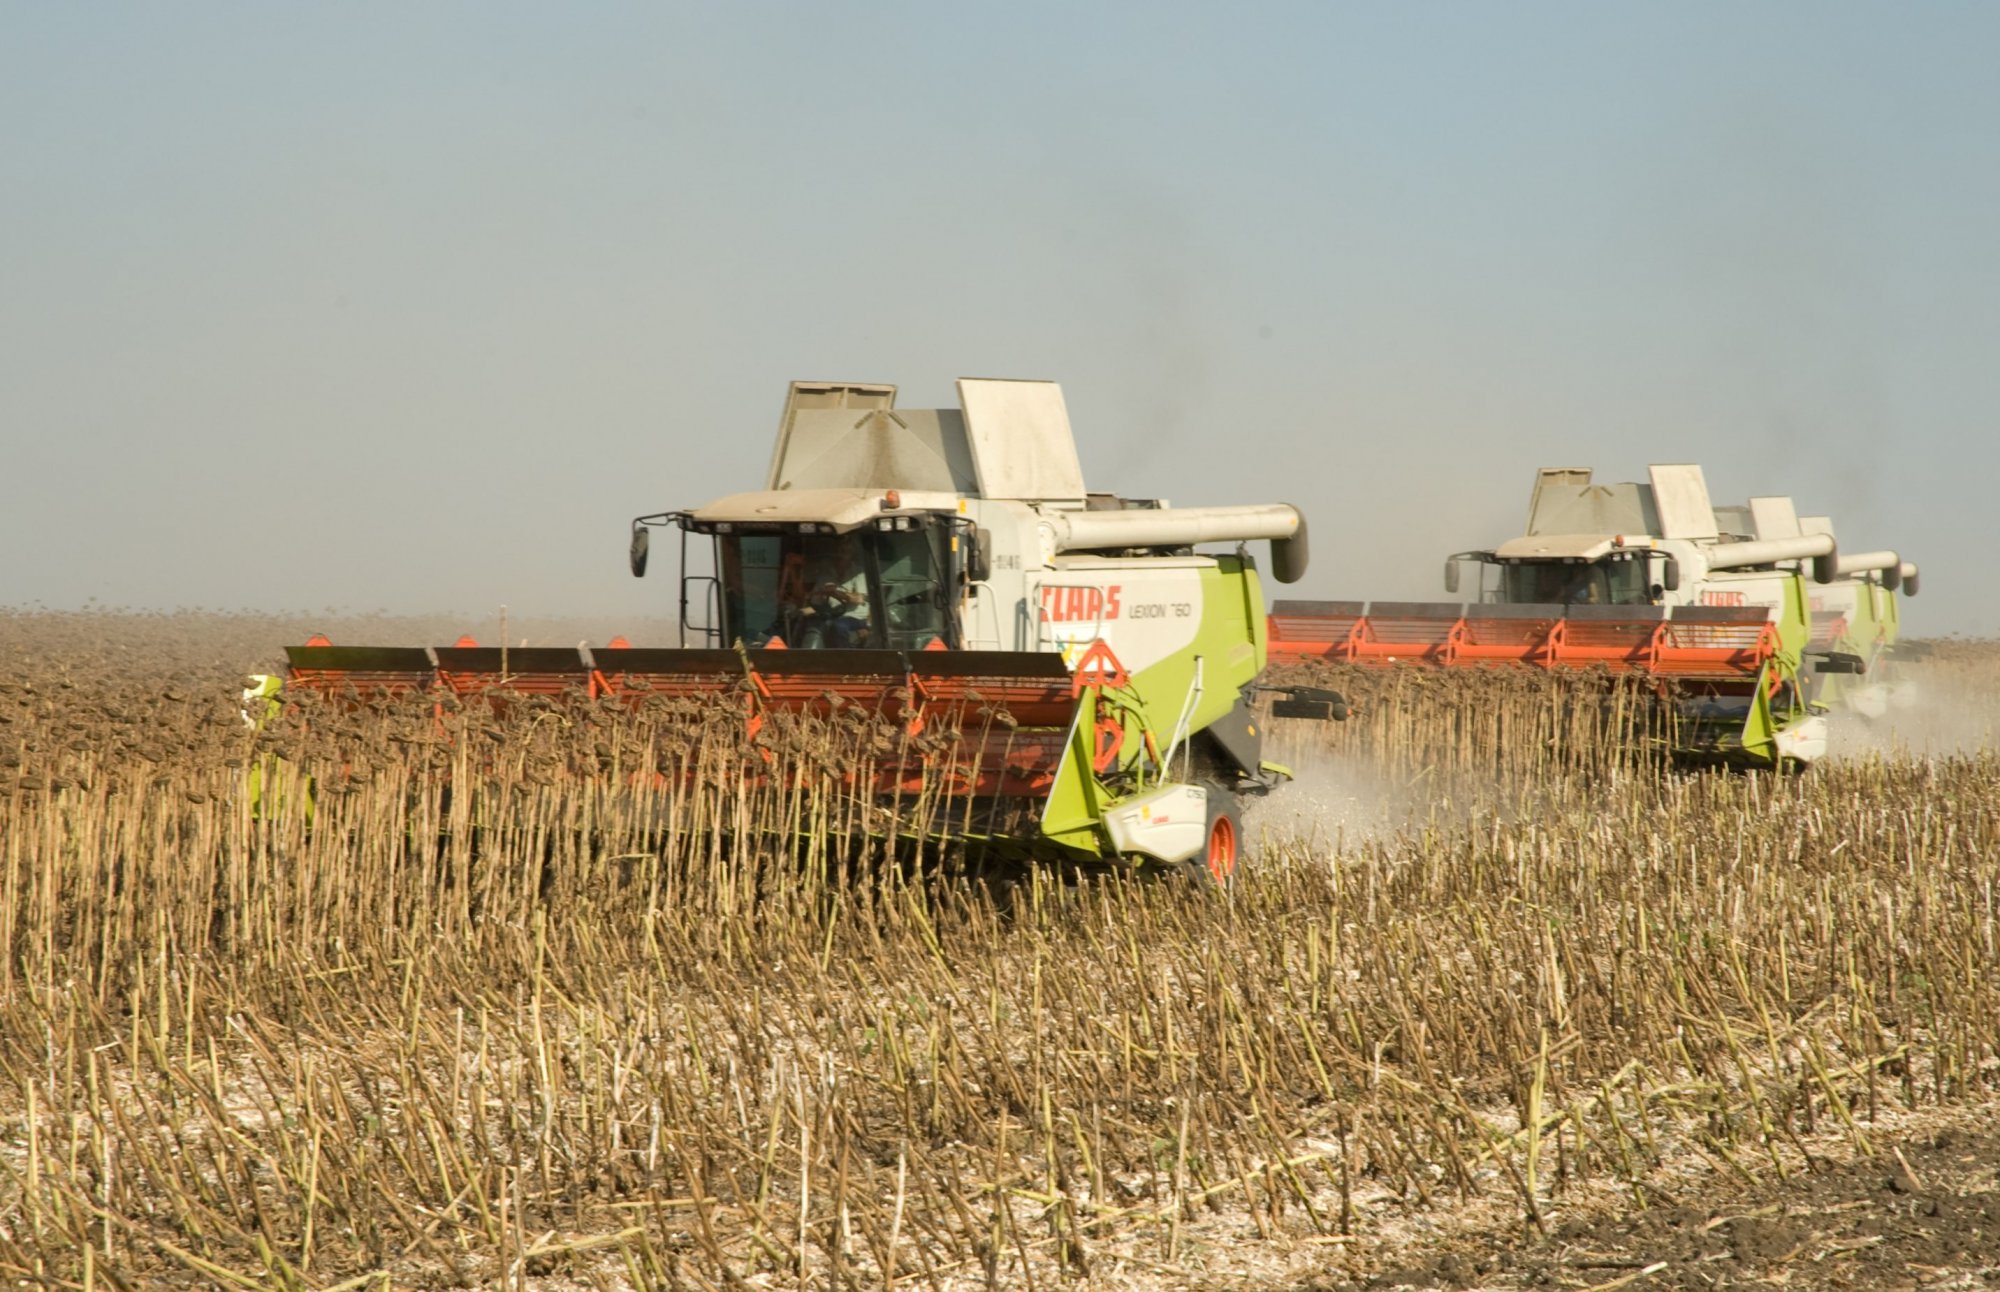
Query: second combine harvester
x,y
1746,619
947,570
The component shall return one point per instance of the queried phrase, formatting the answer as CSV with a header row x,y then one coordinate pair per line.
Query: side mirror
x,y
642,543
979,556
1451,574
1670,574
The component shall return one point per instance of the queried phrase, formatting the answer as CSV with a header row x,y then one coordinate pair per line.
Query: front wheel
x,y
1223,850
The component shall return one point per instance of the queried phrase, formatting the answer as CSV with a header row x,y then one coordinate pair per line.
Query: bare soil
x,y
1923,1212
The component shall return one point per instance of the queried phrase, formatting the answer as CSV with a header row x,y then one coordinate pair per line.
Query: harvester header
x,y
946,569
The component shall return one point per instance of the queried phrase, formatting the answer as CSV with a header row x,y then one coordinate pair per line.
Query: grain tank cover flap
x,y
1774,518
1735,521
1555,485
1562,477
1680,500
852,436
921,450
806,395
1020,439
1565,502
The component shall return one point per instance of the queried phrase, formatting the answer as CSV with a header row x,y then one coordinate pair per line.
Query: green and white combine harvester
x,y
1746,620
1856,620
946,569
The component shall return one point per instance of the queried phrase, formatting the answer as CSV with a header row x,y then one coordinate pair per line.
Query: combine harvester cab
x,y
1063,674
1635,579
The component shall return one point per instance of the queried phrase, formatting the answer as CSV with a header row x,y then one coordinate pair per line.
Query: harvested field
x,y
559,998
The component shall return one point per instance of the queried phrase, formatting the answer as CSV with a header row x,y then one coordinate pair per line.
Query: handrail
x,y
1182,723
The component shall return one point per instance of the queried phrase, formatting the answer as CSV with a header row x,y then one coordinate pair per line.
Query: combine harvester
x,y
945,570
1856,620
1643,580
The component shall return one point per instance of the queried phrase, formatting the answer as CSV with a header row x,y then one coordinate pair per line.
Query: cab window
x,y
866,589
914,604
1613,581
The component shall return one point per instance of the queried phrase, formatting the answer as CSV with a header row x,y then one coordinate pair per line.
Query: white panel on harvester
x,y
1021,442
1774,518
1680,499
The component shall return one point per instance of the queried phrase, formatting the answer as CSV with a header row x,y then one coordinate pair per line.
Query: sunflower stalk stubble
x,y
571,990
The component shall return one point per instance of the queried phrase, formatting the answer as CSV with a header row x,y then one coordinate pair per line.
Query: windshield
x,y
1614,581
874,589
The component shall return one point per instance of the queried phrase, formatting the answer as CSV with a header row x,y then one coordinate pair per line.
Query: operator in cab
x,y
1585,588
833,611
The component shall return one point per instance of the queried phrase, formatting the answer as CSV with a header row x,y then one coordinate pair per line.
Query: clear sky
x,y
415,306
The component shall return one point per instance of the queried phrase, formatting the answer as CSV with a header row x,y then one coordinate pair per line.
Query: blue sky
x,y
414,307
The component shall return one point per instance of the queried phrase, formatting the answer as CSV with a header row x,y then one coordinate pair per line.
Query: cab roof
x,y
843,509
1559,547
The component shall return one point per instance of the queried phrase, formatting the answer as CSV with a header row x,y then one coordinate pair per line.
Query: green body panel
x,y
1076,803
1229,642
274,785
1794,622
1750,738
1774,708
1870,634
271,781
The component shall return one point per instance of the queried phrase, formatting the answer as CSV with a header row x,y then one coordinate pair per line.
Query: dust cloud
x,y
1335,802
1935,706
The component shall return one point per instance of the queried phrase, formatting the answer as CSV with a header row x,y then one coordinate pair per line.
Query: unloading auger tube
x,y
1894,573
1817,548
1281,523
1080,673
1720,606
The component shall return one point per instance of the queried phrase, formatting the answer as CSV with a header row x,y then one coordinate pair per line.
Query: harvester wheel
x,y
1223,852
